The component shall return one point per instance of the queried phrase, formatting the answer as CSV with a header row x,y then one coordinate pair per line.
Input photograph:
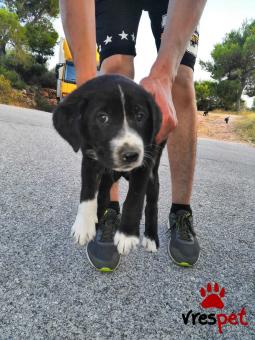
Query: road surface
x,y
48,290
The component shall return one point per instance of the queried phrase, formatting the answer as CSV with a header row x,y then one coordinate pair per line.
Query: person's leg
x,y
182,141
183,246
121,64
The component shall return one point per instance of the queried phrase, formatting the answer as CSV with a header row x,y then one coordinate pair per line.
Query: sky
x,y
219,17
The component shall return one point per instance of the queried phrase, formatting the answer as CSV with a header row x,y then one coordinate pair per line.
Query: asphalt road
x,y
48,290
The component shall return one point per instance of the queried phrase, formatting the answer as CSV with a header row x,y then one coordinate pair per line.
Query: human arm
x,y
78,19
182,19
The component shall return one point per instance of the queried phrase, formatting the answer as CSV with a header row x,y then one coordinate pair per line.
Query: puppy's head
x,y
112,119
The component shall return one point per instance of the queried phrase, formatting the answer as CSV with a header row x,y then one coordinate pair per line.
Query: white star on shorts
x,y
133,36
123,35
108,40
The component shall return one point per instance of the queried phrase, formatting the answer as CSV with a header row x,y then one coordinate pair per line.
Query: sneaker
x,y
101,252
183,247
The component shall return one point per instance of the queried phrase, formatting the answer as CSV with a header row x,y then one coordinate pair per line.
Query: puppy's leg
x,y
127,237
150,239
84,228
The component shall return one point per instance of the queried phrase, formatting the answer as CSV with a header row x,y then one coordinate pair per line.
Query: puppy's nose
x,y
130,156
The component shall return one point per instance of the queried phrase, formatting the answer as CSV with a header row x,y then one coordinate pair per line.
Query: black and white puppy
x,y
114,122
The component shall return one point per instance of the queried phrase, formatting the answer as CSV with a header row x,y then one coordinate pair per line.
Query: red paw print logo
x,y
212,296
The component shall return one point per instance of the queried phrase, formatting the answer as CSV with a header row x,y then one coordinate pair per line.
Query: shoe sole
x,y
181,264
102,269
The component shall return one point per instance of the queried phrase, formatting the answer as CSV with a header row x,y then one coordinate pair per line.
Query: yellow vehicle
x,y
65,71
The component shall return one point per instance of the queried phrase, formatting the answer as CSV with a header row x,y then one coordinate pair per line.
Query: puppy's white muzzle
x,y
127,150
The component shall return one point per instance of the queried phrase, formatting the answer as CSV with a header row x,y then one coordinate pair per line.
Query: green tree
x,y
41,39
36,17
206,95
12,34
234,60
33,10
227,91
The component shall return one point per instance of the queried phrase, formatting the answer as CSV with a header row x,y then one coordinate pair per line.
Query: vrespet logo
x,y
213,298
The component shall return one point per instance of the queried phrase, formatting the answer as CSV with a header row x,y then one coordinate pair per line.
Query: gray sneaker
x,y
183,247
101,252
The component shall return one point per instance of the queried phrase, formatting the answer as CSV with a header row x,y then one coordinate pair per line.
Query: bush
x,y
21,69
33,74
5,90
7,94
42,103
245,127
13,77
48,80
38,75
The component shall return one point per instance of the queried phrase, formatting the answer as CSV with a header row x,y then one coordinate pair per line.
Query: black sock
x,y
114,205
176,207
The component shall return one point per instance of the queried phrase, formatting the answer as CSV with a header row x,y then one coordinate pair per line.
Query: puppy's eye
x,y
102,117
139,116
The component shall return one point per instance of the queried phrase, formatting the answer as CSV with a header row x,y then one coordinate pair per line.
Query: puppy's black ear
x,y
155,114
67,119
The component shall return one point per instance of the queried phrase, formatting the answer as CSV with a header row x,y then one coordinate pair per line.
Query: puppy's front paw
x,y
149,245
84,228
125,243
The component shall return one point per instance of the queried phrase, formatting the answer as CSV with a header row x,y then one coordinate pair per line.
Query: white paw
x,y
125,243
149,244
84,228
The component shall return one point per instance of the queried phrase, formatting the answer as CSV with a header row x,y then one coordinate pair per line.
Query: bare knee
x,y
118,63
183,88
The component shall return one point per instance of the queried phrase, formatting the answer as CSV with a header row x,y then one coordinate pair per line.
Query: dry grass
x,y
8,95
214,126
245,127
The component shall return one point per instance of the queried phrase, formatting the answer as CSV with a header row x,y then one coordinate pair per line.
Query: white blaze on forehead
x,y
127,137
123,102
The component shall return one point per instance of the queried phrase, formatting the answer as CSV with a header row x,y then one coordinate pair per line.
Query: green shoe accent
x,y
105,270
184,264
181,264
105,213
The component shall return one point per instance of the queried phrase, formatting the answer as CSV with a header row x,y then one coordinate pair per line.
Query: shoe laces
x,y
108,225
184,226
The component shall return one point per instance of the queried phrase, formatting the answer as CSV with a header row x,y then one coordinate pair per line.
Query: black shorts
x,y
117,24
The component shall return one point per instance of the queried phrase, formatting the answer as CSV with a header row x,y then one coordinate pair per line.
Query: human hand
x,y
160,88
